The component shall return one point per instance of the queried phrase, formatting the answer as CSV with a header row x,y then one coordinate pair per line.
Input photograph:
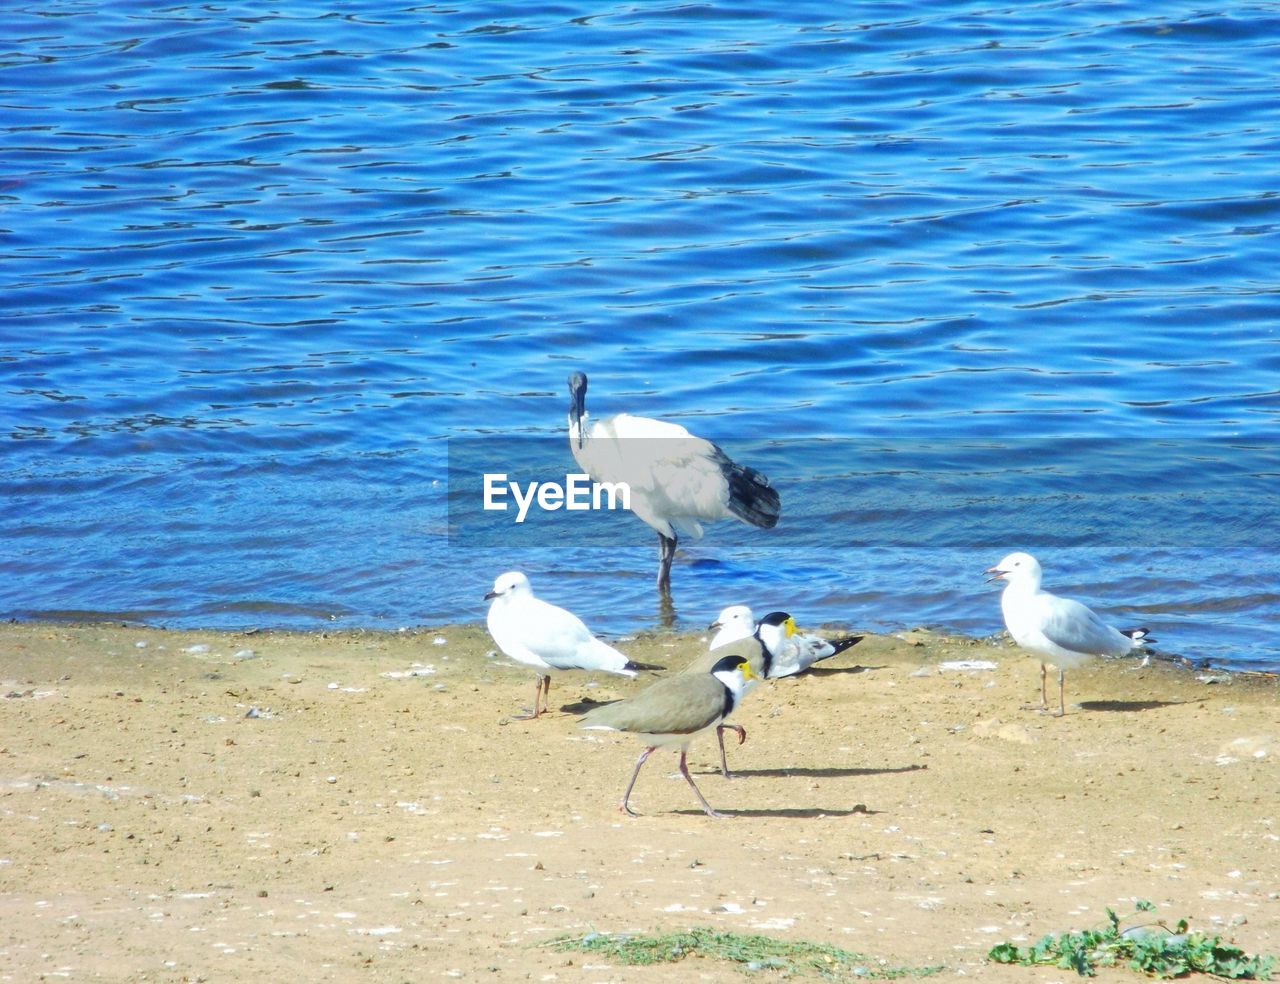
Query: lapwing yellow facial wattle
x,y
674,711
547,637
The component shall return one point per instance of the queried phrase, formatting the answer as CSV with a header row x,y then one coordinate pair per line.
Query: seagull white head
x,y
738,618
1018,568
577,406
509,585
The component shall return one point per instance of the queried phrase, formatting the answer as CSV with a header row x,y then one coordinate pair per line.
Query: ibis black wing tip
x,y
751,497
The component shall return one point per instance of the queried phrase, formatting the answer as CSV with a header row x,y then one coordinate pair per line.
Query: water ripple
x,y
245,243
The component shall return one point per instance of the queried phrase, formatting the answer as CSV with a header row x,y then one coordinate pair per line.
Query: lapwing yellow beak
x,y
791,627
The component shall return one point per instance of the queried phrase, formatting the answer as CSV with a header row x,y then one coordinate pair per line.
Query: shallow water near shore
x,y
960,281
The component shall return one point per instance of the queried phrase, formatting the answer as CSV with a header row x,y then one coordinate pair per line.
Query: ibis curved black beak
x,y
577,403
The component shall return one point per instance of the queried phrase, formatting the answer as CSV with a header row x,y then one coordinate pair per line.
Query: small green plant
x,y
749,952
1155,949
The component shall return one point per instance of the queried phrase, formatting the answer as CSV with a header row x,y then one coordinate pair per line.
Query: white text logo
x,y
577,493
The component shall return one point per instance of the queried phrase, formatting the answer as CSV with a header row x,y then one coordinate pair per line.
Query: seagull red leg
x,y
1044,694
537,693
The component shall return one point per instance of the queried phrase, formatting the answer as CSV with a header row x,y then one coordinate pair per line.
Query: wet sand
x,y
357,806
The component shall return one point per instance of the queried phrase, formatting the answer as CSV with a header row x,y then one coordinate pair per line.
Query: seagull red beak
x,y
996,574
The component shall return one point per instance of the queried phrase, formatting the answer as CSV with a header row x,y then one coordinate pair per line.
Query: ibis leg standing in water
x,y
677,481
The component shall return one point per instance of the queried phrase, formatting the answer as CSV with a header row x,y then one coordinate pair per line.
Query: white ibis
x,y
677,481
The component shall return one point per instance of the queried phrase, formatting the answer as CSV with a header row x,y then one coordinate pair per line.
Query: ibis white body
x,y
676,480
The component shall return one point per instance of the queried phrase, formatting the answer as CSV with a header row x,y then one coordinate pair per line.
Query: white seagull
x,y
1058,630
547,637
790,651
677,481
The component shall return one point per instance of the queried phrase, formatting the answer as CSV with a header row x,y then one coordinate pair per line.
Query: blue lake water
x,y
959,280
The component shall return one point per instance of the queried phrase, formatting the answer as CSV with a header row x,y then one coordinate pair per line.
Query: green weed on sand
x,y
1157,950
748,952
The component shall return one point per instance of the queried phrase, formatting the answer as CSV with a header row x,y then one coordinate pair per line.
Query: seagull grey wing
x,y
1077,628
556,635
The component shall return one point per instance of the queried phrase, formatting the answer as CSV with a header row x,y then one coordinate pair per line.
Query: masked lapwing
x,y
674,711
754,650
791,651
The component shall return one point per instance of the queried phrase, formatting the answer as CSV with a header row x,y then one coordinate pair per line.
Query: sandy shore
x,y
183,806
